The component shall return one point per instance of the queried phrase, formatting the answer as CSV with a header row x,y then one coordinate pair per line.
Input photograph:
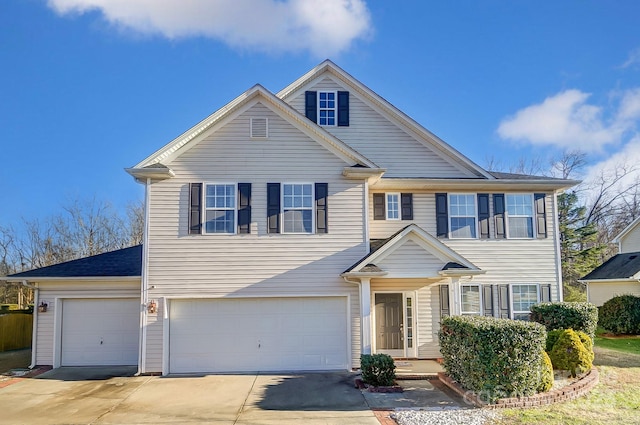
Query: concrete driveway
x,y
114,396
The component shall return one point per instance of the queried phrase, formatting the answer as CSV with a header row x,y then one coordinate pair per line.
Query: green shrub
x,y
493,357
554,335
552,338
546,374
588,344
569,353
577,316
621,315
378,369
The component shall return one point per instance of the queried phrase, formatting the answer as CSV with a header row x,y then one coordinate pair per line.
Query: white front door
x,y
258,334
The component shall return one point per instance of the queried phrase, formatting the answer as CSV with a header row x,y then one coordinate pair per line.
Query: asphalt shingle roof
x,y
120,263
621,266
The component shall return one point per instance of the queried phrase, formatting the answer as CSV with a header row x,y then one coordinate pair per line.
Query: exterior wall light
x,y
152,307
42,307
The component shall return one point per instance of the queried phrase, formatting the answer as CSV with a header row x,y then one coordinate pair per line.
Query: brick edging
x,y
569,392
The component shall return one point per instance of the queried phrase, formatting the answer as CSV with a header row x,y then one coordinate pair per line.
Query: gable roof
x,y
191,137
126,262
622,266
454,263
626,230
424,135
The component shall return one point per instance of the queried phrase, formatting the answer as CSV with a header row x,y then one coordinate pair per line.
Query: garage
x,y
100,332
258,334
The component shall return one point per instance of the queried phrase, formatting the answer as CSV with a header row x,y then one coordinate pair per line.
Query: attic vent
x,y
259,127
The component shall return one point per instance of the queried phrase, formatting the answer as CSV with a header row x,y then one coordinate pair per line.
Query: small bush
x,y
552,338
569,353
378,370
546,374
621,315
577,316
554,335
493,357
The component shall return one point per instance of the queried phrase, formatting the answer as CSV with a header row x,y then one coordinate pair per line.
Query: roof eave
x,y
364,274
151,173
461,272
67,278
362,172
470,183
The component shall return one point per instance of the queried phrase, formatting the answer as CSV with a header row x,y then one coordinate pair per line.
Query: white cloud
x,y
633,60
567,121
323,27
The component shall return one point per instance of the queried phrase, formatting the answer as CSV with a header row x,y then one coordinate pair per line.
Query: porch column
x,y
454,297
365,314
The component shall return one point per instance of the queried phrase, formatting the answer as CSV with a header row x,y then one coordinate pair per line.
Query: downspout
x,y
144,285
36,301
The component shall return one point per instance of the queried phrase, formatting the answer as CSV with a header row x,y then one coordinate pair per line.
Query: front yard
x,y
614,401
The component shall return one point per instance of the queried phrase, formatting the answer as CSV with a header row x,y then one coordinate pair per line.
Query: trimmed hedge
x,y
577,316
569,353
378,370
621,315
493,357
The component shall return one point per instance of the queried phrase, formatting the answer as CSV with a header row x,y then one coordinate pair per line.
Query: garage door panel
x,y
100,332
258,334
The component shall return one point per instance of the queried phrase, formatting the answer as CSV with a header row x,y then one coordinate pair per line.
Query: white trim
x,y
386,206
365,217
334,109
312,208
477,184
406,352
34,331
556,243
513,311
366,347
624,232
474,196
478,312
507,216
203,228
144,281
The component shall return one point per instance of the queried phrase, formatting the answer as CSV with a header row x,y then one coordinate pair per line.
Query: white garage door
x,y
268,334
100,332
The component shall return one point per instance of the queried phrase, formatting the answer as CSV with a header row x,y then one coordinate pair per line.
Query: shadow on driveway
x,y
89,373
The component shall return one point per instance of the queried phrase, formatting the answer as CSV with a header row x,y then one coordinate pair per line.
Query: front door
x,y
389,324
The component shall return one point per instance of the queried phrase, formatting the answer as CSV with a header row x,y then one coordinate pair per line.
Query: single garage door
x,y
100,332
267,334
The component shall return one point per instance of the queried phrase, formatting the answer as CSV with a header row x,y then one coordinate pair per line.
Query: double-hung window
x,y
470,300
393,206
523,297
519,215
220,208
327,108
297,211
462,216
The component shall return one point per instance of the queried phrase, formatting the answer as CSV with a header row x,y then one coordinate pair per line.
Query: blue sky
x,y
90,87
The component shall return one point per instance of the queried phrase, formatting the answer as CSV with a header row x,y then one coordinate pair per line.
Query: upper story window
x,y
327,108
519,215
462,215
297,208
393,206
522,298
470,299
220,208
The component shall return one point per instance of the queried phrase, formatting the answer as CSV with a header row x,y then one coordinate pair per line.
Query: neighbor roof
x,y
621,266
126,262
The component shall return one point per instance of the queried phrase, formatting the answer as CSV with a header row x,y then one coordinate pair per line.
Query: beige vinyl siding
x,y
411,260
54,292
505,260
631,241
256,264
384,142
599,293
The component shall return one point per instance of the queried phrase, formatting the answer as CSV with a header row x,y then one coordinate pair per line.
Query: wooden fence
x,y
15,331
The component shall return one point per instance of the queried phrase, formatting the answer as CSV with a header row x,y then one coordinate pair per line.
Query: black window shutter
x,y
444,301
379,207
273,207
343,108
311,105
244,207
498,213
541,216
406,203
487,300
504,306
545,293
195,208
322,193
483,215
442,215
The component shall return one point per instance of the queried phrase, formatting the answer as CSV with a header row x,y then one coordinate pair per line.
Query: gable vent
x,y
259,127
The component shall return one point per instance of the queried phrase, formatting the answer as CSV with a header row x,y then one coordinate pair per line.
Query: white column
x,y
455,297
365,314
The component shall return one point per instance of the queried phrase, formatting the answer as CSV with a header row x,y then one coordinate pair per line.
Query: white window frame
x,y
508,216
475,216
312,208
471,313
512,301
234,209
266,131
398,203
334,109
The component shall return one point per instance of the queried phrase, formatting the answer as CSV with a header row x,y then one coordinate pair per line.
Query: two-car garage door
x,y
265,334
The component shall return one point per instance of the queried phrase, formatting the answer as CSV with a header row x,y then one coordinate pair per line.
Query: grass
x,y
614,401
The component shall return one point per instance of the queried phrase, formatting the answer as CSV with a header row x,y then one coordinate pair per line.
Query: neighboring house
x,y
298,230
620,275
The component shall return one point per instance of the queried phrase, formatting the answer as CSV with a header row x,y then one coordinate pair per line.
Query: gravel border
x,y
445,417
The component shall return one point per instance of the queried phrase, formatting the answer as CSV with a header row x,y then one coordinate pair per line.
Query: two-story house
x,y
298,230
